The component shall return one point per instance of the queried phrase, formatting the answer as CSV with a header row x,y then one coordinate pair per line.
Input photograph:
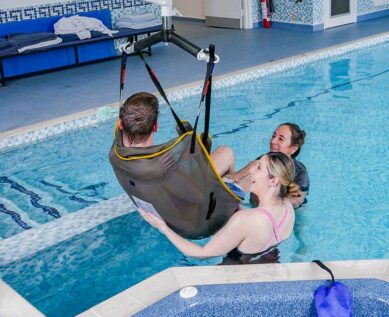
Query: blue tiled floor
x,y
29,100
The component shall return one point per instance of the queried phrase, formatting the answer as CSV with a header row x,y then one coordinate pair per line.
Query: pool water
x,y
340,103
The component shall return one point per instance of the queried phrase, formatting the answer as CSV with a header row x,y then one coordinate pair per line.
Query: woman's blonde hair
x,y
282,166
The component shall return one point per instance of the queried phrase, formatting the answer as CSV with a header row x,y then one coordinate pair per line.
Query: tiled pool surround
x,y
37,132
293,298
13,304
157,287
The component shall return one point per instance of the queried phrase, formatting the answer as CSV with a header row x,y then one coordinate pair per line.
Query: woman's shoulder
x,y
255,218
248,216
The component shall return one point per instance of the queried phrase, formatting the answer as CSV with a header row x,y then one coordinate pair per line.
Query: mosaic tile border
x,y
24,136
70,7
39,132
29,242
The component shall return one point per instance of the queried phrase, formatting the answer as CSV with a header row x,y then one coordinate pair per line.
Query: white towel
x,y
81,26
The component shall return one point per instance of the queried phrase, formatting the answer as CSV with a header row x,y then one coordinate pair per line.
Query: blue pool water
x,y
341,103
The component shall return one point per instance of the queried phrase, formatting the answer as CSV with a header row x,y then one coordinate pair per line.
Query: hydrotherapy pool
x,y
340,103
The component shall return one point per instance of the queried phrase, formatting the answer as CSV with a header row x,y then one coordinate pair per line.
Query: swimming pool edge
x,y
162,284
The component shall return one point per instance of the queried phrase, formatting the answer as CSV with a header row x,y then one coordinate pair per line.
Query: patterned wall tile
x,y
15,15
139,3
308,11
84,6
95,5
71,8
317,12
57,9
148,8
3,16
74,7
367,6
30,13
117,4
128,3
287,11
44,11
106,4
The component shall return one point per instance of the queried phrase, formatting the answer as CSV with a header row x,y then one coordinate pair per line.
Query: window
x,y
340,7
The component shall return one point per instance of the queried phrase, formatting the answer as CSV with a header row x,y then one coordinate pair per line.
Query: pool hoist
x,y
177,179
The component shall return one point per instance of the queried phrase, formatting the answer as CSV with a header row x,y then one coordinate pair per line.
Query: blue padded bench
x,y
65,53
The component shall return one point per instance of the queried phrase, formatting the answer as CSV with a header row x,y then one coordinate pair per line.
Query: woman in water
x,y
251,235
288,138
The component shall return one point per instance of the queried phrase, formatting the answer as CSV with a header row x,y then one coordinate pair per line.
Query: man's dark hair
x,y
139,114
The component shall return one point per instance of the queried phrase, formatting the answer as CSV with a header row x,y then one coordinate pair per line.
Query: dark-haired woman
x,y
288,138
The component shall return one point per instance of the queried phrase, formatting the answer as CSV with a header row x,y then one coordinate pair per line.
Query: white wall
x,y
190,8
6,4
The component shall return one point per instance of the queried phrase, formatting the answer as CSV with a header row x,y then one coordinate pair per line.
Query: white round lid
x,y
188,292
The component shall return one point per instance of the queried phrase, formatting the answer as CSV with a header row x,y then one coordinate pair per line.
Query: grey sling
x,y
177,179
183,187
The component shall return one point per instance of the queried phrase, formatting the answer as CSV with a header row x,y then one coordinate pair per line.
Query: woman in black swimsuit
x,y
249,231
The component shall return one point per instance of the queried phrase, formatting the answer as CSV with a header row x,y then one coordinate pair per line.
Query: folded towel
x,y
26,39
137,17
137,25
40,45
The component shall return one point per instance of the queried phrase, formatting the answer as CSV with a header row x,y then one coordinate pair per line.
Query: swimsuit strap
x,y
273,221
283,218
276,227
